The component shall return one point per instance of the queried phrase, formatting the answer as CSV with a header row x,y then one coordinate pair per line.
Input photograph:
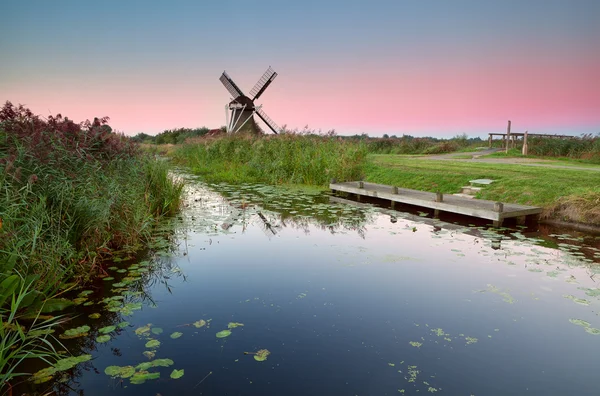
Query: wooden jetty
x,y
483,209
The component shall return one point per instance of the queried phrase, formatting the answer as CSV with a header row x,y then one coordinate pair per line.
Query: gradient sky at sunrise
x,y
399,67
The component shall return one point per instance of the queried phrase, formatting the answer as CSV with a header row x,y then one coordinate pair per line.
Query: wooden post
x,y
361,184
498,207
490,141
525,147
395,190
507,136
439,197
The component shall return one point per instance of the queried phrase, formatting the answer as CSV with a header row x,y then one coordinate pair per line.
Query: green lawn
x,y
529,185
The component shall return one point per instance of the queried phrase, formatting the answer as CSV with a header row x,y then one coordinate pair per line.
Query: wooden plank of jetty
x,y
480,208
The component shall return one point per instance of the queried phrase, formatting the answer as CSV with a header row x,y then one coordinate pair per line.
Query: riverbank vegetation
x,y
71,194
275,159
307,158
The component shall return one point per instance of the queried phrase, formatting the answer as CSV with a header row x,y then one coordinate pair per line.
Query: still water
x,y
346,299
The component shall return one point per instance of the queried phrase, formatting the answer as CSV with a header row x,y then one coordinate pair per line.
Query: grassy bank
x,y
70,194
275,159
566,194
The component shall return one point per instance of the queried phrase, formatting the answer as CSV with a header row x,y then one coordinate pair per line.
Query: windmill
x,y
240,111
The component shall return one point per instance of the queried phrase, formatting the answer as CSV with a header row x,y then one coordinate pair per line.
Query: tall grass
x,y
586,147
69,194
275,159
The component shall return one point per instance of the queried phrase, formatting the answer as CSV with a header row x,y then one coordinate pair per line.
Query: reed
x,y
281,159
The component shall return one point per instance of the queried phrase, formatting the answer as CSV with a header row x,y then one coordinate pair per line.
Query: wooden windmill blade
x,y
231,86
263,82
270,123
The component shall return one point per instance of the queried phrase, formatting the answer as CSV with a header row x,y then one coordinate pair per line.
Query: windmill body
x,y
240,110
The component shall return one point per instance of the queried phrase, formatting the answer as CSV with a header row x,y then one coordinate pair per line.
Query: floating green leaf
x,y
120,372
107,329
157,330
149,354
144,330
576,300
76,332
108,278
233,325
122,325
592,330
176,335
416,344
60,365
580,322
143,376
223,333
56,304
153,344
176,374
94,315
261,355
85,293
471,340
103,338
199,323
155,363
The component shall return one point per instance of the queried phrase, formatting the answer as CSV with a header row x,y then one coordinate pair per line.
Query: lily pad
x,y
592,330
261,355
223,333
149,354
154,363
103,338
120,372
157,330
200,323
143,376
94,315
60,365
108,278
580,322
144,330
152,344
107,329
57,304
122,325
233,325
176,374
176,335
76,332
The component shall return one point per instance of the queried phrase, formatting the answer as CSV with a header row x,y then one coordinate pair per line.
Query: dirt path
x,y
476,157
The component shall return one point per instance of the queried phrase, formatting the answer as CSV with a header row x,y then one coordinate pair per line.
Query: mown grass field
x,y
568,194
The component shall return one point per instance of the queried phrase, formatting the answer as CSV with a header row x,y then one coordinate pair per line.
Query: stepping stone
x,y
484,182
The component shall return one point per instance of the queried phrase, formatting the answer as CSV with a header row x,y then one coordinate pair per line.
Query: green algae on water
x,y
416,344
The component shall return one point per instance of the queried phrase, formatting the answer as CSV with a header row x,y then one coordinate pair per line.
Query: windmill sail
x,y
262,84
263,116
233,89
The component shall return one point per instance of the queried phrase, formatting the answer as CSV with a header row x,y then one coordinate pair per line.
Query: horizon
x,y
438,69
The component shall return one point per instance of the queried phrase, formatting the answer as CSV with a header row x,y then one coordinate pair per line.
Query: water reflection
x,y
348,299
